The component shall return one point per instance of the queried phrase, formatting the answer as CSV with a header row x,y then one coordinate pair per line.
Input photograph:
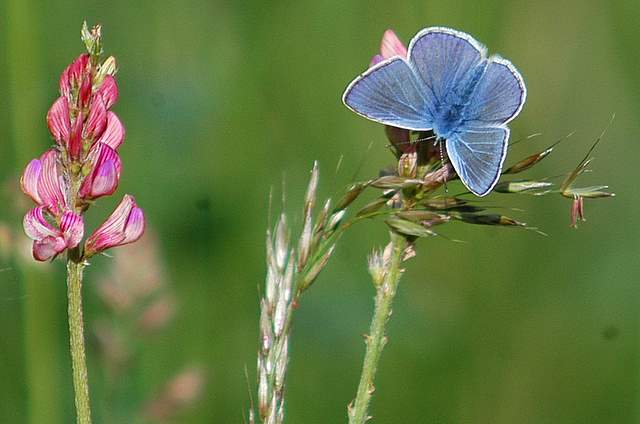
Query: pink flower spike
x,y
58,120
108,90
113,135
105,175
51,185
72,228
391,45
96,121
125,225
30,178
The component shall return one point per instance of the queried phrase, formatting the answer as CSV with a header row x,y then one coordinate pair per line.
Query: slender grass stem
x,y
76,334
376,340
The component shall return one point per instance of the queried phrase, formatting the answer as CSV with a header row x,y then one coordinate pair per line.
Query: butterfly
x,y
447,85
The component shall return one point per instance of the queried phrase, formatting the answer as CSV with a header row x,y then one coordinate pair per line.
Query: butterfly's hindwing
x,y
477,156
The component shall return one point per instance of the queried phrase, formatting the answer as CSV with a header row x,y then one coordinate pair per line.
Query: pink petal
x,y
113,135
29,180
75,140
135,226
97,119
108,90
72,227
72,75
36,226
58,120
84,94
105,180
51,186
125,225
48,248
391,45
105,172
376,59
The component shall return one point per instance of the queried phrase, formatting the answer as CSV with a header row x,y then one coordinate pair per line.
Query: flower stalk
x,y
76,340
377,338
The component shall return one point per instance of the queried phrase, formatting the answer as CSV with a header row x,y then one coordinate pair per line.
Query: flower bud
x,y
92,39
108,67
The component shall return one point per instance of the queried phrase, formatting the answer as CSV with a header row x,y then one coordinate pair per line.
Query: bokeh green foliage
x,y
221,99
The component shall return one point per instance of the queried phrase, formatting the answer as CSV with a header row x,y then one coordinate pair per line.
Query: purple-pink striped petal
x,y
48,248
58,120
113,135
108,90
96,121
30,178
134,228
36,226
51,185
72,76
376,59
84,94
75,139
72,228
105,172
125,225
391,45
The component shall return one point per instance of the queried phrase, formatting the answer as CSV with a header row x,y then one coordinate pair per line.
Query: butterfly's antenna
x,y
402,143
446,188
361,164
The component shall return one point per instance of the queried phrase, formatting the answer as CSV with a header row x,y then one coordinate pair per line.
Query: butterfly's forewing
x,y
498,98
477,156
392,94
442,58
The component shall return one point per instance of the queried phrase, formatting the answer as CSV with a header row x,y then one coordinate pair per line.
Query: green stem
x,y
76,335
376,340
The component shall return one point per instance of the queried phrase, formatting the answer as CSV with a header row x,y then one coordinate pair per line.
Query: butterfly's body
x,y
448,85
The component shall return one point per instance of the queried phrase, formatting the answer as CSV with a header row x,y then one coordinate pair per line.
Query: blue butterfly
x,y
449,86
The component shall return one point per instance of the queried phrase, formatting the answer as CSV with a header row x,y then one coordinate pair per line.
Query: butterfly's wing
x,y
477,156
390,93
499,96
443,58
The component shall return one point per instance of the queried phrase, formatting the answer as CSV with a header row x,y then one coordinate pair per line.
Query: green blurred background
x,y
221,99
